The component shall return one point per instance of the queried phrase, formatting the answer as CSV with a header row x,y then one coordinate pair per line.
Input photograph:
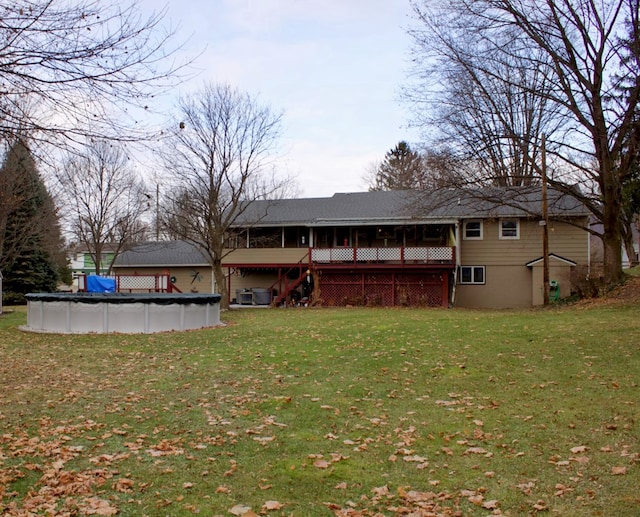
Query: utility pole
x,y
157,212
543,223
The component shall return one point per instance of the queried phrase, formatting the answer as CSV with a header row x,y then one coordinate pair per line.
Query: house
x,y
467,248
81,262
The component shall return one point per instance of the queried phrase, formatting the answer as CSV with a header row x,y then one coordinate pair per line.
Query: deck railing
x,y
396,255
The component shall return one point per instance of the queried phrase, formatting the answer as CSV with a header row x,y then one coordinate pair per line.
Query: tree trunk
x,y
612,238
221,284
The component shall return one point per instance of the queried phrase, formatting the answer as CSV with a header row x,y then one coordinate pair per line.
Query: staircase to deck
x,y
285,285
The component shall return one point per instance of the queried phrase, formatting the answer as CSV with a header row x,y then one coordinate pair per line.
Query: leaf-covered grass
x,y
319,412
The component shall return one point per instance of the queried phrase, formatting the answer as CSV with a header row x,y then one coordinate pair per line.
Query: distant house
x,y
396,248
81,262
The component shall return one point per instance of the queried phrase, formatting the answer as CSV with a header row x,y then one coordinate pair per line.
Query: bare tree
x,y
585,87
219,158
75,69
103,200
498,130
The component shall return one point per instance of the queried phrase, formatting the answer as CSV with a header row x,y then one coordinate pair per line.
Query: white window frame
x,y
473,237
473,270
501,234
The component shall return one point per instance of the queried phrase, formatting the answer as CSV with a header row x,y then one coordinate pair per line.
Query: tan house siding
x,y
496,293
190,279
249,281
256,256
558,272
508,281
565,240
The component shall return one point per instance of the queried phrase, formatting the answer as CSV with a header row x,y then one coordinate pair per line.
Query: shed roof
x,y
161,254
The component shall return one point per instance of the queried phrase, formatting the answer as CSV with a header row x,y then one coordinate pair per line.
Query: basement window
x,y
472,275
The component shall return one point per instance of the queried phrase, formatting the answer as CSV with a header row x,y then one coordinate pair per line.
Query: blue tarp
x,y
99,284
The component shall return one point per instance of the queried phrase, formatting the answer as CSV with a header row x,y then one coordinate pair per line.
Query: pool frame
x,y
129,313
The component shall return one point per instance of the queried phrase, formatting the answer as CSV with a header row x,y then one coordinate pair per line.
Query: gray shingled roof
x,y
160,254
408,207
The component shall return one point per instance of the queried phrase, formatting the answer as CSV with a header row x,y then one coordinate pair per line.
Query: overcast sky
x,y
333,67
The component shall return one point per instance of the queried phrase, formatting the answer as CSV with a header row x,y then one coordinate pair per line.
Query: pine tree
x,y
401,169
31,242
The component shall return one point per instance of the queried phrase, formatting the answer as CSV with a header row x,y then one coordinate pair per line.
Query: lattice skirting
x,y
383,289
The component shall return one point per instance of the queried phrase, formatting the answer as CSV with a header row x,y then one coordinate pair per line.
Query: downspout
x,y
588,251
458,260
228,283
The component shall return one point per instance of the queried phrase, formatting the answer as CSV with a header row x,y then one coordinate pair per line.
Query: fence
x,y
136,283
384,289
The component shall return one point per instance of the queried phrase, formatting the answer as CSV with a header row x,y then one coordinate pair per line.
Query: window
x,y
472,230
509,229
435,233
472,274
265,238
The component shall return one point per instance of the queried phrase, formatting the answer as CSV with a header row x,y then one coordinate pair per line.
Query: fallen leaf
x,y
619,471
240,510
380,490
123,485
476,499
540,506
581,459
272,505
96,506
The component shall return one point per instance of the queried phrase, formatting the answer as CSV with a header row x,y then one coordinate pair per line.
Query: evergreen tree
x,y
31,251
401,169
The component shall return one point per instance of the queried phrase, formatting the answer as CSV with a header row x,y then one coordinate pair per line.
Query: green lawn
x,y
320,412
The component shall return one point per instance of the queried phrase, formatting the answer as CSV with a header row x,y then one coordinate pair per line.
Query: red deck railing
x,y
137,283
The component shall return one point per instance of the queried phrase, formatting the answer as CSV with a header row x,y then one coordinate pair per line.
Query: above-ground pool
x,y
135,313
